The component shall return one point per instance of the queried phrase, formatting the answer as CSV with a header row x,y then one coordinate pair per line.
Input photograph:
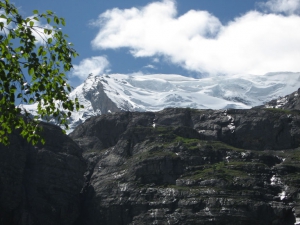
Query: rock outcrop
x,y
176,166
288,102
252,129
41,184
186,166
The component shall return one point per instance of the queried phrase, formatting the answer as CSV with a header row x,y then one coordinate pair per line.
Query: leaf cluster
x,y
34,59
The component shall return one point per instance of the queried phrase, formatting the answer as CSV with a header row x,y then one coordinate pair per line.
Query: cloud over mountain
x,y
282,6
255,43
95,65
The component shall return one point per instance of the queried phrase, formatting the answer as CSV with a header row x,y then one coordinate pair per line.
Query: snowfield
x,y
116,92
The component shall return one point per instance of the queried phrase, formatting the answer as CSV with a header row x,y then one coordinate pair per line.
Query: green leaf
x,y
56,20
49,12
31,100
43,66
8,21
62,20
31,71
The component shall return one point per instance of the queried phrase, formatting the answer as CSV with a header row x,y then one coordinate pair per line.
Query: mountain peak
x,y
119,92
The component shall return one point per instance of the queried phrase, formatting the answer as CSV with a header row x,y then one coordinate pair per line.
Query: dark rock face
x,y
183,166
253,129
289,102
42,184
176,166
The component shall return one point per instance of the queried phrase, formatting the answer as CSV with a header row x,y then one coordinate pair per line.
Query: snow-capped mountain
x,y
116,92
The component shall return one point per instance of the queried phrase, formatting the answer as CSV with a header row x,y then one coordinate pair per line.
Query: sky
x,y
196,38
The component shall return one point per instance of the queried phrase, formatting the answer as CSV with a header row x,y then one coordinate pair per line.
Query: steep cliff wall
x,y
183,166
176,166
41,184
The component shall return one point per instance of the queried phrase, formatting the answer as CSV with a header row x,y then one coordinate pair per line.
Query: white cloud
x,y
6,27
155,60
282,6
37,31
150,66
95,65
254,43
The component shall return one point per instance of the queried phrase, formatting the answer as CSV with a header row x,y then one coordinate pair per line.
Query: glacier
x,y
110,93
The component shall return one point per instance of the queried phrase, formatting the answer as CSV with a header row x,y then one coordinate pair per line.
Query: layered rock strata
x,y
184,166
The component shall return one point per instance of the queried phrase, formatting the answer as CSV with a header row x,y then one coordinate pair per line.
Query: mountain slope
x,y
175,166
288,102
41,184
208,167
118,92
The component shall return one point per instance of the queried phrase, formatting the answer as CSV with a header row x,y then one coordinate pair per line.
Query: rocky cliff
x,y
185,166
41,184
289,102
175,166
119,92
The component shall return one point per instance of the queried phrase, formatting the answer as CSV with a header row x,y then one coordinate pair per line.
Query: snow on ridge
x,y
158,91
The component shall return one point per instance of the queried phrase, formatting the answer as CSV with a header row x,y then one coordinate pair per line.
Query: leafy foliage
x,y
33,61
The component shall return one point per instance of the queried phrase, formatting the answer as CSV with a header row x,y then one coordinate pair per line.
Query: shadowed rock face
x,y
288,102
183,166
42,184
176,166
253,129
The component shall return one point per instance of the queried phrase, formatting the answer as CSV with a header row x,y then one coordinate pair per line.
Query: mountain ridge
x,y
191,166
175,166
118,92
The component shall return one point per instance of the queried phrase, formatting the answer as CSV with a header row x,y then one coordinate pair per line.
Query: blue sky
x,y
188,37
